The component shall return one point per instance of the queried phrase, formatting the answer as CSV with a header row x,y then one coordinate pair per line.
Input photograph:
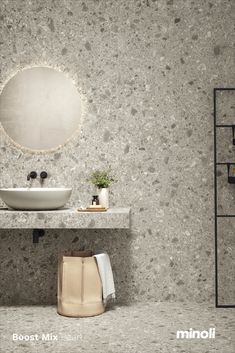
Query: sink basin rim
x,y
36,189
35,198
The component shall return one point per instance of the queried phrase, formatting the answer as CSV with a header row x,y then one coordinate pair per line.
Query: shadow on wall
x,y
30,275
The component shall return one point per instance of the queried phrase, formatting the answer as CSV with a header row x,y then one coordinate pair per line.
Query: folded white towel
x,y
106,275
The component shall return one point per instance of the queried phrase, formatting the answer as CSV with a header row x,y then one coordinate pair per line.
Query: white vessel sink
x,y
35,198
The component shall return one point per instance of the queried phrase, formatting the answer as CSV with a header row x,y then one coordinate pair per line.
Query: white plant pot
x,y
104,197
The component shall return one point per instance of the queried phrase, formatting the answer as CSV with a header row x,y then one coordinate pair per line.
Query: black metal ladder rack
x,y
215,193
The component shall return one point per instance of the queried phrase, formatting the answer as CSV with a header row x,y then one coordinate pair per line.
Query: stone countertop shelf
x,y
118,218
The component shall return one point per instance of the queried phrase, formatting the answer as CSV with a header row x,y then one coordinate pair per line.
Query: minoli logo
x,y
196,334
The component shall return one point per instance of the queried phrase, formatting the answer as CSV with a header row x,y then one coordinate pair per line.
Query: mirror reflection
x,y
40,108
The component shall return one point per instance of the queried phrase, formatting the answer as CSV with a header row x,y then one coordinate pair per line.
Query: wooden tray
x,y
92,209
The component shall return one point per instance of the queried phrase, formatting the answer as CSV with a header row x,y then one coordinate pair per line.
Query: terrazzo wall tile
x,y
226,252
29,275
147,71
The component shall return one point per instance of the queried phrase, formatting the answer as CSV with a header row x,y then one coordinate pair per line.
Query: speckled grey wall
x,y
147,70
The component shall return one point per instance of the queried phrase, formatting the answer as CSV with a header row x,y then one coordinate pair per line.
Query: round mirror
x,y
40,108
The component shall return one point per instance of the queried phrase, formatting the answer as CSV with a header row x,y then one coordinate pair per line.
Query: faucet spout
x,y
32,175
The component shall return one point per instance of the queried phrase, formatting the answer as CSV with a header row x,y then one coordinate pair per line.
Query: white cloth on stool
x,y
106,275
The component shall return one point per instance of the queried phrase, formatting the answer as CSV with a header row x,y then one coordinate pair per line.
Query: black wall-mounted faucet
x,y
32,175
43,175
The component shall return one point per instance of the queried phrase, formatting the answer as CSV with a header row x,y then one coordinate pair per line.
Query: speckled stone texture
x,y
147,71
225,104
30,270
143,327
113,218
226,265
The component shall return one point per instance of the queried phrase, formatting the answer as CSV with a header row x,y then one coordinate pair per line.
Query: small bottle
x,y
95,200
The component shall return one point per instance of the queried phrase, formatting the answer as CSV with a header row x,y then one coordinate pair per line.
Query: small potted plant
x,y
102,180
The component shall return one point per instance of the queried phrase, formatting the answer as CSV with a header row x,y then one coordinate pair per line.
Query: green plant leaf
x,y
101,179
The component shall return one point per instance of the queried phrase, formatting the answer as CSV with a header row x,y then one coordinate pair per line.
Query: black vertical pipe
x,y
37,233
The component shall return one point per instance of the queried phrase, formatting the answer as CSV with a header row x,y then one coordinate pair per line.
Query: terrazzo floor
x,y
147,327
